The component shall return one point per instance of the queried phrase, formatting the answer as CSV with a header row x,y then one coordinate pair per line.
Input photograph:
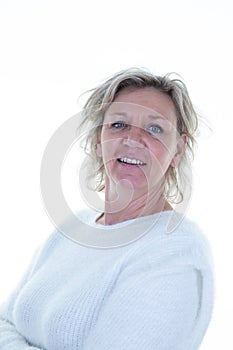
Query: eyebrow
x,y
150,115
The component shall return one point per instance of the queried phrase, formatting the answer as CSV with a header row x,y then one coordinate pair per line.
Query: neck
x,y
122,203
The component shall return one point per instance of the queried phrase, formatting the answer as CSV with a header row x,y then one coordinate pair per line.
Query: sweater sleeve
x,y
10,338
149,310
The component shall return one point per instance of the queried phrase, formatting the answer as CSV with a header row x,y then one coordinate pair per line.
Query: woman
x,y
156,292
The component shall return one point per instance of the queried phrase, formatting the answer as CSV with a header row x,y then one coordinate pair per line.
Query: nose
x,y
134,137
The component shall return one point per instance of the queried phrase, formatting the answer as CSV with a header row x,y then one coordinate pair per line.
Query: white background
x,y
52,51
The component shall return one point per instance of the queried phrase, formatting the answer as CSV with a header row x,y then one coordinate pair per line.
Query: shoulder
x,y
174,242
43,252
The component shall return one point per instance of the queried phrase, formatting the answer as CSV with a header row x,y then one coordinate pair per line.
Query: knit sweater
x,y
155,293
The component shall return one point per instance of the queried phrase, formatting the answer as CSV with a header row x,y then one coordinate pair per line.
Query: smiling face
x,y
139,139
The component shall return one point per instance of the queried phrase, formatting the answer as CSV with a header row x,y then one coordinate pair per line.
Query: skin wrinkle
x,y
143,186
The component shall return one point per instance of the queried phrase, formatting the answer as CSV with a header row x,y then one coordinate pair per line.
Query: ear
x,y
98,145
99,150
181,145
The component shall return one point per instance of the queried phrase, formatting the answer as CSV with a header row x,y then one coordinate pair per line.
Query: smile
x,y
131,161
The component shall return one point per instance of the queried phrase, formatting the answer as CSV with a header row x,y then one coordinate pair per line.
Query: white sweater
x,y
155,293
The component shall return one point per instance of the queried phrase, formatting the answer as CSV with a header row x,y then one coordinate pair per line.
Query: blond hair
x,y
100,99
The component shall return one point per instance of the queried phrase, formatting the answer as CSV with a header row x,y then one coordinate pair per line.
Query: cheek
x,y
161,155
109,145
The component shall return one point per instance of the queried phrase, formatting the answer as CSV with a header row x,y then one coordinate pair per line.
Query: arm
x,y
10,339
148,310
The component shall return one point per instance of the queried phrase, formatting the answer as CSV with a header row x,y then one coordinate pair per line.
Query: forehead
x,y
144,100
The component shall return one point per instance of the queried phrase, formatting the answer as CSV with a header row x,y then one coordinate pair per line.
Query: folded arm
x,y
10,339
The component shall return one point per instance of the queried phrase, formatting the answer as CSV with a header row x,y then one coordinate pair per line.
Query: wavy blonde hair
x,y
103,95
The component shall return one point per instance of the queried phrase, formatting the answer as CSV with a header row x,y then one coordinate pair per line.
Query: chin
x,y
133,183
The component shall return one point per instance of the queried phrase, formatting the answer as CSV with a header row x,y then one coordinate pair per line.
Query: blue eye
x,y
156,129
119,125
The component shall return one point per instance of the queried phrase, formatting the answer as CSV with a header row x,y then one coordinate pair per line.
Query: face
x,y
139,139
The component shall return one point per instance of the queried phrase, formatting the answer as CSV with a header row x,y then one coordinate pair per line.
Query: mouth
x,y
130,161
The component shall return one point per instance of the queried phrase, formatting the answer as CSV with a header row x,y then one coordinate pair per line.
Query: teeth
x,y
131,161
